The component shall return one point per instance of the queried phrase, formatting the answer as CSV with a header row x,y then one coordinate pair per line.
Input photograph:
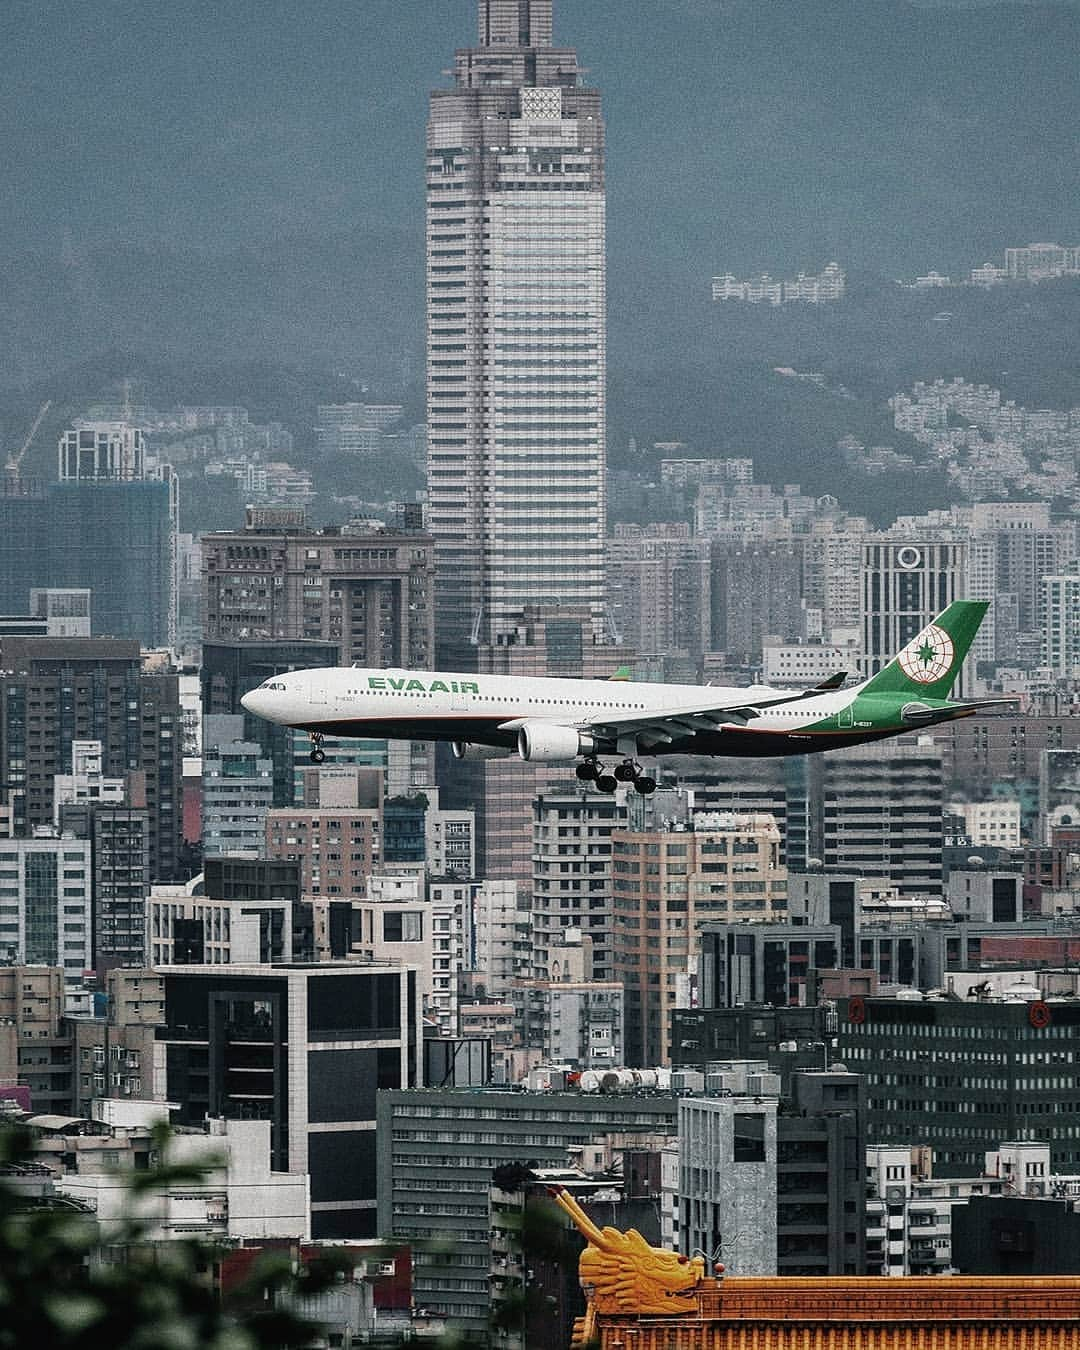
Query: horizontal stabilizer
x,y
833,682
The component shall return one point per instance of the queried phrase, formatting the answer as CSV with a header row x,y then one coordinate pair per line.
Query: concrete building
x,y
1059,604
66,611
119,838
229,670
666,885
981,755
237,787
500,926
882,815
55,691
906,582
768,1192
338,848
436,1153
575,1022
573,829
910,1211
369,593
516,334
994,823
763,962
307,1049
46,908
238,1196
660,588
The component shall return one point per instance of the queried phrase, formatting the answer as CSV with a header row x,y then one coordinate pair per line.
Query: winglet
x,y
623,673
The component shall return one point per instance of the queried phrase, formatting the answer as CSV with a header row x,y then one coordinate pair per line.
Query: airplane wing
x,y
667,724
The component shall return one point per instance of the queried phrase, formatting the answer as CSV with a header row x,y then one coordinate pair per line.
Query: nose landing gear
x,y
318,754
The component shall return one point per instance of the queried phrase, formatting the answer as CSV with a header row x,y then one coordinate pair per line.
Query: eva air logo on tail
x,y
928,656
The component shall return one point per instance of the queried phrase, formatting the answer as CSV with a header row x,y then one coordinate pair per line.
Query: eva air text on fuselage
x,y
409,685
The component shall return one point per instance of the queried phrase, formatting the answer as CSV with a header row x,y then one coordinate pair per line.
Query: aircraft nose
x,y
253,703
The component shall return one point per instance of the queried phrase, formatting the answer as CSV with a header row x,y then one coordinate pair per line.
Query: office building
x,y
55,691
701,1036
763,962
436,1153
516,334
91,524
906,582
768,1191
980,754
229,670
368,592
1001,1069
237,787
306,1048
66,611
882,814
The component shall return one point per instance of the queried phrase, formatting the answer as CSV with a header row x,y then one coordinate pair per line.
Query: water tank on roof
x,y
1021,992
909,995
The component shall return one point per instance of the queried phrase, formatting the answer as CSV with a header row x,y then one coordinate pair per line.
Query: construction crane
x,y
11,468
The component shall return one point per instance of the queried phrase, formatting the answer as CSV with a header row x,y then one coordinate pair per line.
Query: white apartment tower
x,y
515,335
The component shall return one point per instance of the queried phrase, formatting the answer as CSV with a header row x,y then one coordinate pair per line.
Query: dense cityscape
x,y
796,1015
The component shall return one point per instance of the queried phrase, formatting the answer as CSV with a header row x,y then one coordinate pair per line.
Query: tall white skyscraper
x,y
515,335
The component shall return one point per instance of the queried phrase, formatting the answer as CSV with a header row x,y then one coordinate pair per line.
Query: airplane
x,y
552,720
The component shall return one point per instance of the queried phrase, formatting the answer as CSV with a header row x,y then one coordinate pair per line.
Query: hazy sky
x,y
773,126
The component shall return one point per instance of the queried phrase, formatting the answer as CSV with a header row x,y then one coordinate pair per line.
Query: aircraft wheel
x,y
607,782
625,772
317,755
587,771
646,786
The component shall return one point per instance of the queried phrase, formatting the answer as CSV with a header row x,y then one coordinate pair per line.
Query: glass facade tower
x,y
515,335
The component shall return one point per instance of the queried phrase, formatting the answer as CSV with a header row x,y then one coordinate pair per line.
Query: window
x,y
403,925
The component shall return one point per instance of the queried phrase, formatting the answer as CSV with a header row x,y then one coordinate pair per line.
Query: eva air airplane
x,y
553,720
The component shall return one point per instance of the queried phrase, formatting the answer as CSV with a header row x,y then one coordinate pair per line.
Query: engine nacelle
x,y
548,742
469,750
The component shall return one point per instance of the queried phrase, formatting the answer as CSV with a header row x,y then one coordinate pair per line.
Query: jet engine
x,y
548,742
469,750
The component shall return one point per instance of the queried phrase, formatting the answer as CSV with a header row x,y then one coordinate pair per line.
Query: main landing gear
x,y
590,770
318,754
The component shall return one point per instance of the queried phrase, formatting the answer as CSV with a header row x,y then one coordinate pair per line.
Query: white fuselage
x,y
488,709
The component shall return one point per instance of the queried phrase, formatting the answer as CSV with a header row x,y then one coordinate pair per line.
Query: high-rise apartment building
x,y
516,335
666,884
1060,605
571,883
45,907
58,691
276,578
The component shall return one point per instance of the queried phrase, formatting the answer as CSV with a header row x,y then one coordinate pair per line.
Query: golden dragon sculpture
x,y
622,1273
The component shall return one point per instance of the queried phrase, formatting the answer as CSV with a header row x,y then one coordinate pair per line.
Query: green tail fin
x,y
931,661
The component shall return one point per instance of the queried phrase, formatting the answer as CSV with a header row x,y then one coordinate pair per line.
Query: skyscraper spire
x,y
515,23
